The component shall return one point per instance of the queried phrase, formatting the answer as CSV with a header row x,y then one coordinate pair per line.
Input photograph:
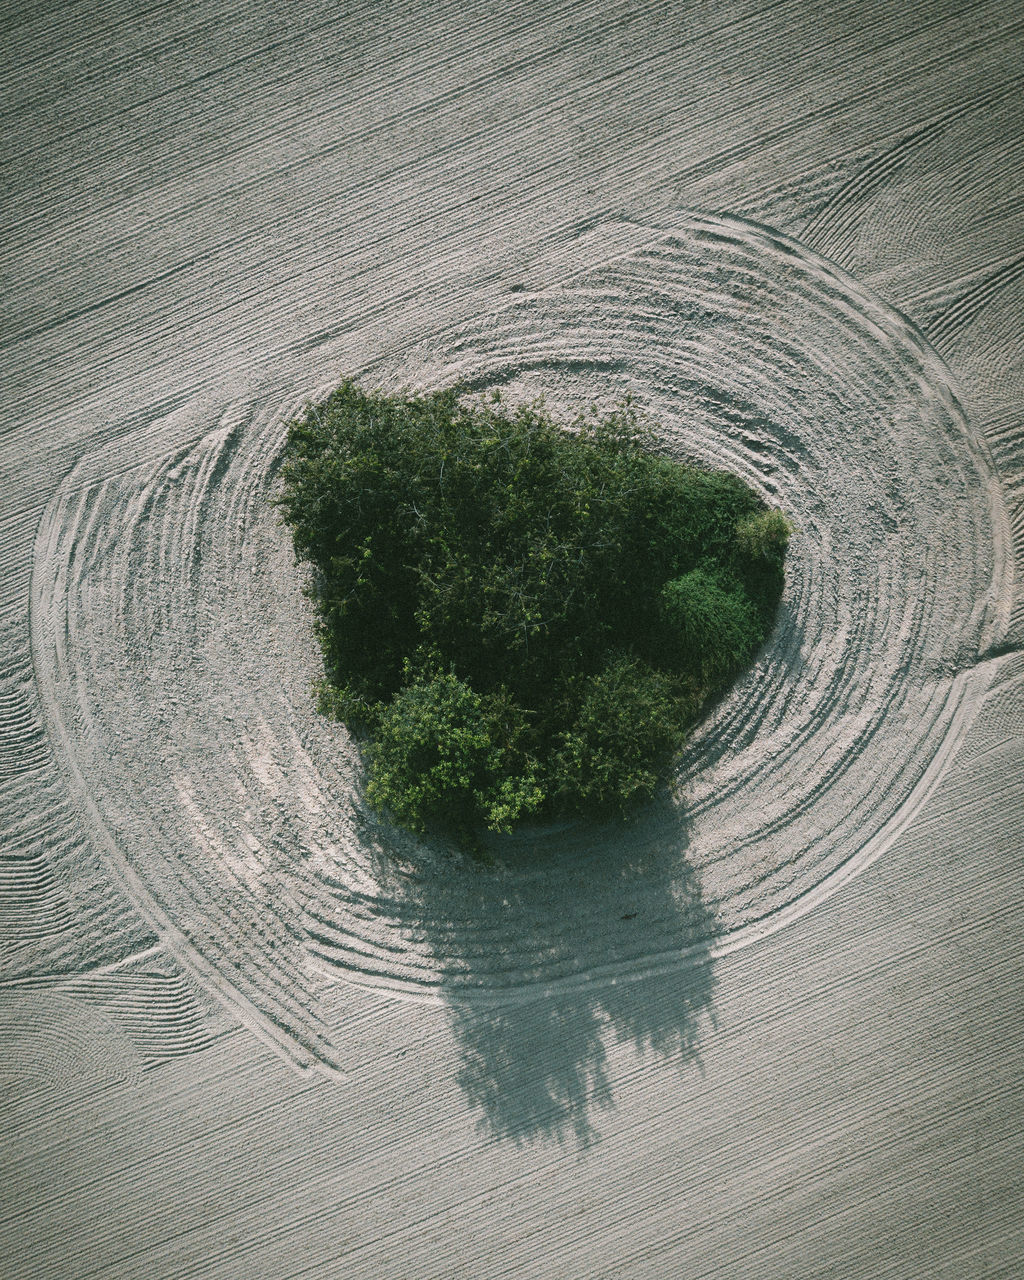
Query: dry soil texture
x,y
771,1029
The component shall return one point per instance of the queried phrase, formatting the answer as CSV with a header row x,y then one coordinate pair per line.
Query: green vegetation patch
x,y
519,619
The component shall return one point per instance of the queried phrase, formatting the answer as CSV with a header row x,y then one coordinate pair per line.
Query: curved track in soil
x,y
173,650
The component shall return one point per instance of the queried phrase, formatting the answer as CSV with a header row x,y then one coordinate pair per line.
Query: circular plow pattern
x,y
174,651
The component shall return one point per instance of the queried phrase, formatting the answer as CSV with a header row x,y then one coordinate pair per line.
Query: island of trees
x,y
519,619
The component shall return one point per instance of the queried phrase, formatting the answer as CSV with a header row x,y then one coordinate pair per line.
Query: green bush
x,y
628,726
713,622
438,759
519,618
764,536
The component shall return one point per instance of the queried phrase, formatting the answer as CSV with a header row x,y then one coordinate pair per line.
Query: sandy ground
x,y
246,1029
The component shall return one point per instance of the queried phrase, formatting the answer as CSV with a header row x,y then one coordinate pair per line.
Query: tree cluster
x,y
519,618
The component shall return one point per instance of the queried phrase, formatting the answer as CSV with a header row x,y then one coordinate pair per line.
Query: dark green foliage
x,y
711,624
623,737
519,618
441,756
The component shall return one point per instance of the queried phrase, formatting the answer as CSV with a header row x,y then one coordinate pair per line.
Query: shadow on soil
x,y
547,963
541,1068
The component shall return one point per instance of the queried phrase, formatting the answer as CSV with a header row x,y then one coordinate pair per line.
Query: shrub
x,y
764,536
759,554
516,617
629,725
438,759
713,624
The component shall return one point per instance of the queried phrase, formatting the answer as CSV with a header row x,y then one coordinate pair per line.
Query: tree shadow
x,y
541,1067
566,941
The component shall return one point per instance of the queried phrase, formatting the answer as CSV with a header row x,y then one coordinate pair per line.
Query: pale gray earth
x,y
771,1029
